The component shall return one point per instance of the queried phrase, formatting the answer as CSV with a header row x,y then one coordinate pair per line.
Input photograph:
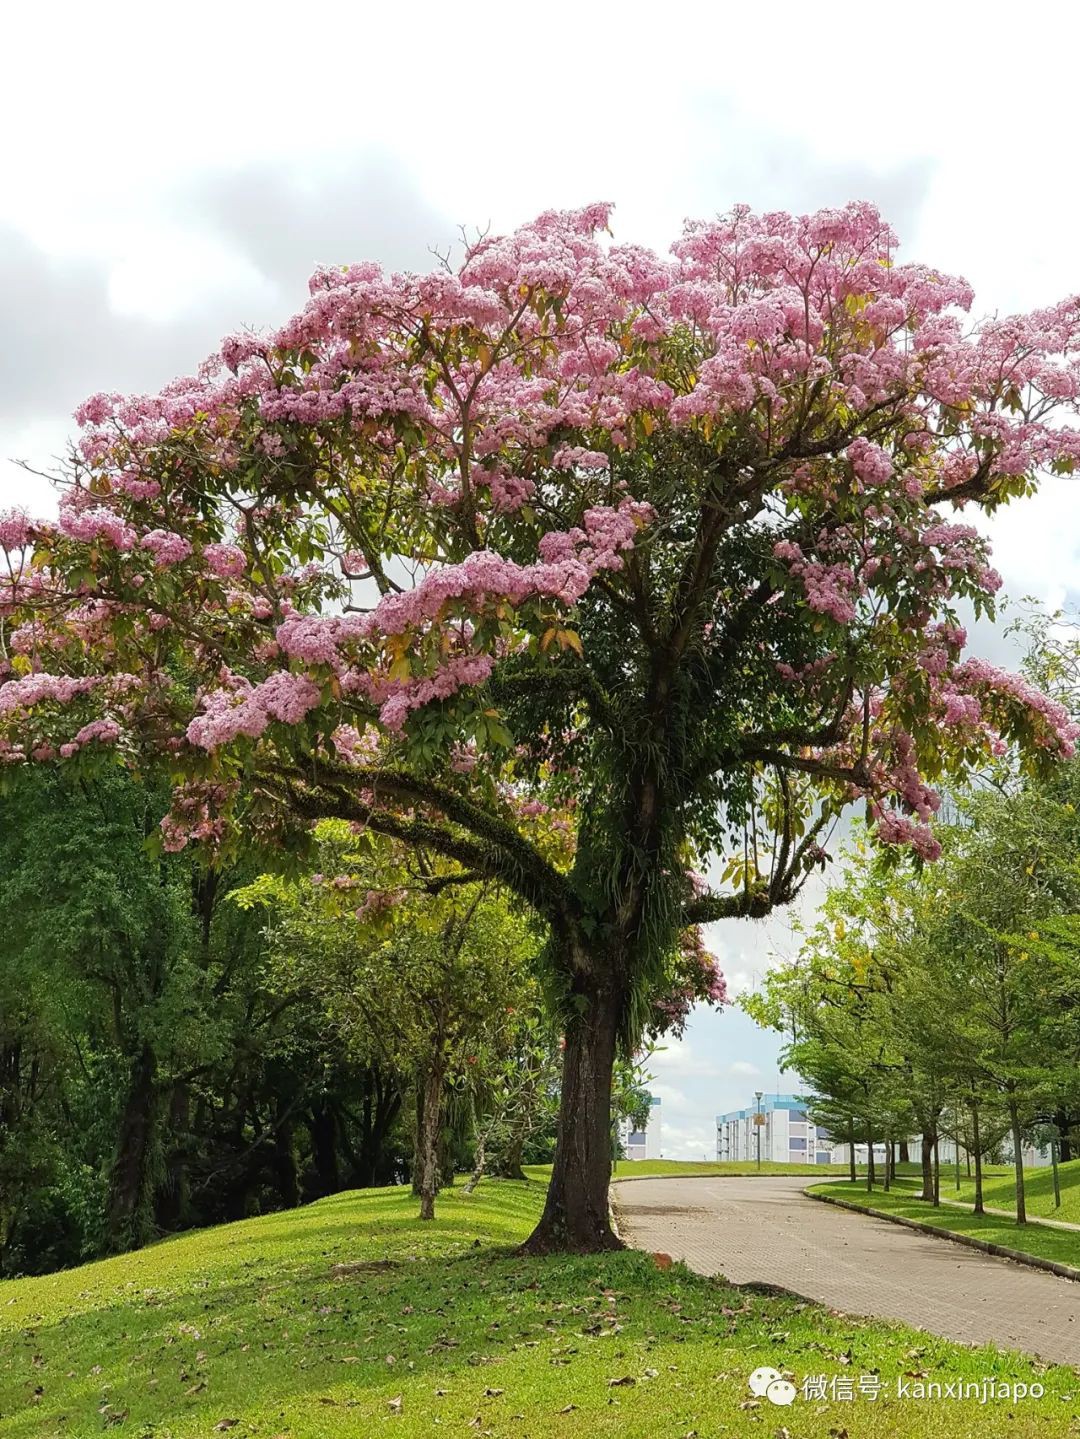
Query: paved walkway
x,y
767,1230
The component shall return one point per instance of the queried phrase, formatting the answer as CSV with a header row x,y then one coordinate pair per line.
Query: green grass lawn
x,y
1058,1244
1000,1193
350,1318
688,1168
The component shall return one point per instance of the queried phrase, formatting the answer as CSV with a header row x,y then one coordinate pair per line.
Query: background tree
x,y
420,973
656,541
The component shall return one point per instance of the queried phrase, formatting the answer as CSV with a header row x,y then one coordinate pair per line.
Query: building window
x,y
797,1144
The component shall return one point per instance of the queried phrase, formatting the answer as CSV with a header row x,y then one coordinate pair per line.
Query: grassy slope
x,y
1039,1239
1000,1193
250,1322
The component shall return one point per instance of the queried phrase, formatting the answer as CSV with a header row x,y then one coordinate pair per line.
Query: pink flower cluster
x,y
15,529
166,547
241,708
94,523
379,902
35,689
225,561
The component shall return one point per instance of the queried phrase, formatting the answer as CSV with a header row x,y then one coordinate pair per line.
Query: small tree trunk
x,y
1018,1160
905,1152
323,1127
428,1126
937,1169
927,1158
1061,1119
871,1176
283,1159
575,1217
888,1163
128,1204
977,1144
479,1163
852,1172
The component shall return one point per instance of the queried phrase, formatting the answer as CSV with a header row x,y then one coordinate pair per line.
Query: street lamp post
x,y
758,1121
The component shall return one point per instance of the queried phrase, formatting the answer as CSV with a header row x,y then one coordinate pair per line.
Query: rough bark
x,y
428,1127
575,1217
905,1152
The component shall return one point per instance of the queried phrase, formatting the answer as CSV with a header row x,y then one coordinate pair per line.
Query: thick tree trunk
x,y
977,1145
575,1217
1018,1160
428,1128
905,1152
127,1206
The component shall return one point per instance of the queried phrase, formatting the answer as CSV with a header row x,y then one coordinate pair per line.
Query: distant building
x,y
788,1134
642,1143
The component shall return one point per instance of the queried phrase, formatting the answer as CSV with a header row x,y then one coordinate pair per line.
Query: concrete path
x,y
767,1230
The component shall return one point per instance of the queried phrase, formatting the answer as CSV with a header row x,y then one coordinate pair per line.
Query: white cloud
x,y
743,1066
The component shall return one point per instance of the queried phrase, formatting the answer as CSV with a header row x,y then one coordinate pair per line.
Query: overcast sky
x,y
173,173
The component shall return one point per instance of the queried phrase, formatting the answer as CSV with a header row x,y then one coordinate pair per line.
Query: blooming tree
x,y
573,564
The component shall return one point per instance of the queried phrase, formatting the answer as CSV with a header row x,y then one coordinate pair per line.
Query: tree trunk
x,y
888,1163
1018,1160
871,1175
852,1172
283,1159
927,1158
977,1145
1061,1120
905,1153
428,1129
937,1169
323,1128
479,1163
127,1206
510,1167
575,1218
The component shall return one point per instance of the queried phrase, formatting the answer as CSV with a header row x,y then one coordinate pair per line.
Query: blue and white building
x,y
643,1143
788,1134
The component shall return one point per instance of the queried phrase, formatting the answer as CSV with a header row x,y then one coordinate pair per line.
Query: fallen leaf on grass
x,y
224,1424
394,1405
493,1393
625,1382
568,1409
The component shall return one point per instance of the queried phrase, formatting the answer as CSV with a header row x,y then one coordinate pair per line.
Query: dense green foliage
x,y
173,1053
